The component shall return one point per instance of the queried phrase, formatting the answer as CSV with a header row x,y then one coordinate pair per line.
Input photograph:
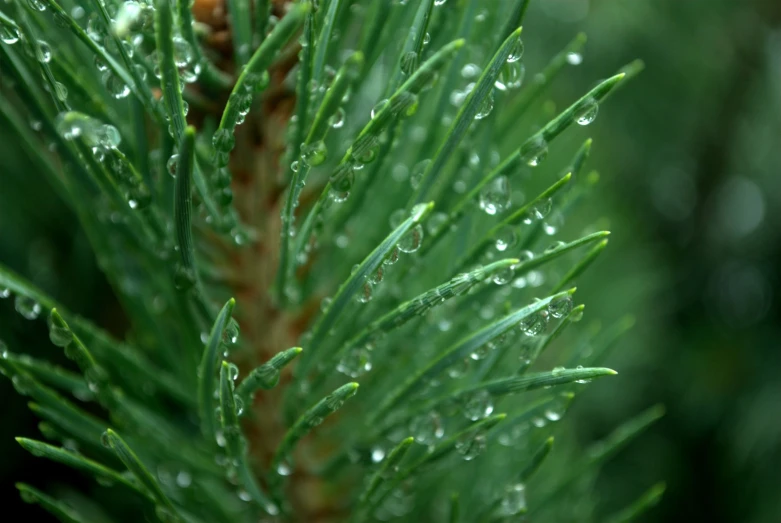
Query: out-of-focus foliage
x,y
693,171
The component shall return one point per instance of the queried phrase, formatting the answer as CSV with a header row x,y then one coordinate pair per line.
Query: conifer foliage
x,y
342,247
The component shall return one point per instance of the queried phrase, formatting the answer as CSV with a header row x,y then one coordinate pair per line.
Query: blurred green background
x,y
689,155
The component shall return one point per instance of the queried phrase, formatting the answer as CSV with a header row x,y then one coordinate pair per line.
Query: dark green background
x,y
690,160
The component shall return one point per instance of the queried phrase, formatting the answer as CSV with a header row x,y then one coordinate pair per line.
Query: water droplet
x,y
364,151
409,62
254,83
439,2
535,324
72,125
486,106
542,208
378,454
535,278
165,474
366,155
409,104
60,91
418,211
183,479
95,28
325,304
337,119
130,50
184,277
427,428
340,187
115,85
224,196
505,238
412,240
100,64
483,350
553,247
587,113
238,402
457,97
379,107
104,440
584,380
514,500
471,445
284,468
183,53
43,53
478,406
561,307
59,336
470,71
377,276
27,307
223,141
510,76
191,73
552,414
574,58
365,295
334,402
495,196
557,371
392,257
230,336
243,104
553,223
108,136
139,197
222,178
314,154
435,222
516,51
233,372
355,363
534,151
36,5
459,369
503,276
514,435
171,164
9,34
417,173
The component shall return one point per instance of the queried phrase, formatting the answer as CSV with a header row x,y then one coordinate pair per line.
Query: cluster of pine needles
x,y
289,200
